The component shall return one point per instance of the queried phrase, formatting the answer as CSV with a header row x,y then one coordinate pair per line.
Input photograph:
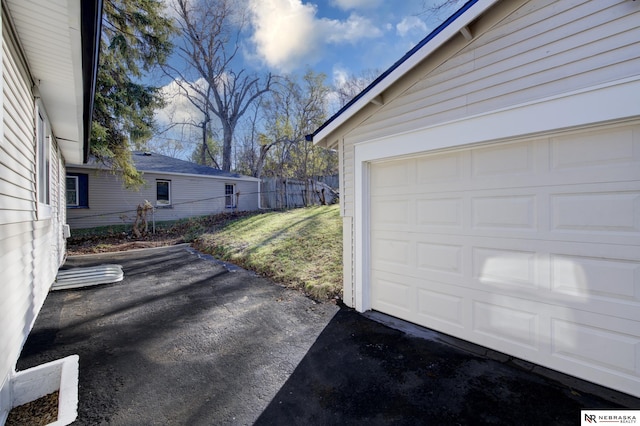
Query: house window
x,y
229,196
72,191
44,159
163,192
77,190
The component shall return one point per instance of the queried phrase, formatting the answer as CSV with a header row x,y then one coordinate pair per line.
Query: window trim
x,y
231,196
82,190
163,203
43,142
76,189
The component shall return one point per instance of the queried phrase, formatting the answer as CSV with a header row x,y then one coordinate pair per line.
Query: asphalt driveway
x,y
186,340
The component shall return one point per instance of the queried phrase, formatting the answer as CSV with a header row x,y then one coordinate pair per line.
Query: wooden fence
x,y
278,193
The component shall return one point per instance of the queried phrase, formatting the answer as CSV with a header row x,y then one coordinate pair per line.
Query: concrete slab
x,y
185,340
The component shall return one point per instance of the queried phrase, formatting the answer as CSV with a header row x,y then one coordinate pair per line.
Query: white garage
x,y
529,247
491,185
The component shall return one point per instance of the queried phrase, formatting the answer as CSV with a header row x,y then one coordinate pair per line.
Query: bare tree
x,y
350,86
295,108
183,116
439,10
209,44
246,157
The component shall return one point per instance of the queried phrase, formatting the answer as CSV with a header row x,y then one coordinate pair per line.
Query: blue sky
x,y
339,38
335,36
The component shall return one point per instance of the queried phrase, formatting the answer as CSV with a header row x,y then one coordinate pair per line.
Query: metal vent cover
x,y
87,277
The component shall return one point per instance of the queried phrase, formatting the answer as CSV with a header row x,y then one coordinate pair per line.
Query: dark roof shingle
x,y
152,162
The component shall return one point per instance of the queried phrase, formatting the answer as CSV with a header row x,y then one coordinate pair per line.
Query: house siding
x,y
17,173
33,245
523,51
111,204
540,50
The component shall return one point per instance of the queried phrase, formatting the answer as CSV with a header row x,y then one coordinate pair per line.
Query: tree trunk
x,y
203,152
226,148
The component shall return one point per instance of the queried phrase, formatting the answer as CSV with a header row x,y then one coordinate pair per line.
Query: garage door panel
x,y
528,247
432,302
601,349
442,309
509,268
505,160
440,212
392,212
393,175
397,253
587,150
393,293
442,169
600,217
563,237
509,324
584,283
597,212
586,277
504,212
444,258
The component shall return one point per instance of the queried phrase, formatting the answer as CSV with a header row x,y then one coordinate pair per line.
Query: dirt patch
x,y
100,241
109,244
42,411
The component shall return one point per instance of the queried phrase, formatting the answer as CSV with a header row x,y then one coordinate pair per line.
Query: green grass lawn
x,y
298,248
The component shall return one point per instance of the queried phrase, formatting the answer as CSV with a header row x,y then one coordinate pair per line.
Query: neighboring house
x,y
49,63
490,185
177,189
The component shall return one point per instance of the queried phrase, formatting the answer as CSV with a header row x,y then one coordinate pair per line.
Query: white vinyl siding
x,y
33,243
111,204
17,151
544,48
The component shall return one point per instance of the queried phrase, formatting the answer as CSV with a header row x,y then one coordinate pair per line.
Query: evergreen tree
x,y
135,38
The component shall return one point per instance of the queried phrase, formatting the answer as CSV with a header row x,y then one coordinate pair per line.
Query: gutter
x,y
91,18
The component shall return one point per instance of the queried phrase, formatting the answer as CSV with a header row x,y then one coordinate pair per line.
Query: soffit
x,y
49,34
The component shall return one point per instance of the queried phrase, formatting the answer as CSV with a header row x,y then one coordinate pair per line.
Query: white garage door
x,y
530,247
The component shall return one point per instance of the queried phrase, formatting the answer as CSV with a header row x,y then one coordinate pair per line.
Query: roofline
x,y
462,17
160,172
91,18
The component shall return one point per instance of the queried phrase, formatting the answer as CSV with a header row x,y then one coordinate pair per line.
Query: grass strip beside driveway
x,y
298,248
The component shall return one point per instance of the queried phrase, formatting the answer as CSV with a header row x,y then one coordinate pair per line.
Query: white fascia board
x,y
613,101
443,36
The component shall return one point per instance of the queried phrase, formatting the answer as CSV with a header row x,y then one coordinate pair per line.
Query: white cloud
x,y
178,108
287,33
340,75
411,24
284,31
356,4
354,29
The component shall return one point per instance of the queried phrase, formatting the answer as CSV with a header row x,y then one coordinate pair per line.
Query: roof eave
x,y
91,11
454,24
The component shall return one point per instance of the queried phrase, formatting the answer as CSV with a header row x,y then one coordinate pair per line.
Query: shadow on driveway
x,y
184,341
